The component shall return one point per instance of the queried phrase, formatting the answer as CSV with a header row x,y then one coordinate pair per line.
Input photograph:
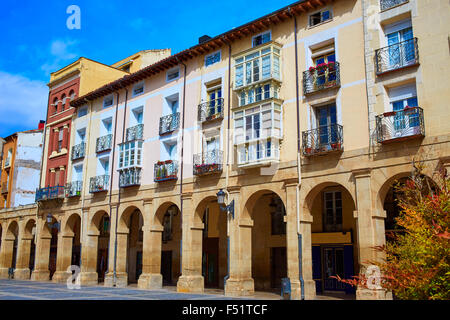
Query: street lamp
x,y
222,205
49,218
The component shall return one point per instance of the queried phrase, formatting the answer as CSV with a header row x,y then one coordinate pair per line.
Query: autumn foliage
x,y
417,263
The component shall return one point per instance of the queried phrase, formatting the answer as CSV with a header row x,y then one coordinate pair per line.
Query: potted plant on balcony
x,y
312,70
331,66
321,68
389,113
168,161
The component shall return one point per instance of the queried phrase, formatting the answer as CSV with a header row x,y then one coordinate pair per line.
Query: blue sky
x,y
36,41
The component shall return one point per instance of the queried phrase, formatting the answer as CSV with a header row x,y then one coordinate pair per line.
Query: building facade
x,y
304,118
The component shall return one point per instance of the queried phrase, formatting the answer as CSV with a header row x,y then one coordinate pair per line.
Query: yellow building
x,y
302,117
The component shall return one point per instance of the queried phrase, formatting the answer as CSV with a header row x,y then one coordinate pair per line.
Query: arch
x,y
69,224
158,218
94,225
315,190
28,228
63,105
201,206
253,198
124,218
12,231
55,105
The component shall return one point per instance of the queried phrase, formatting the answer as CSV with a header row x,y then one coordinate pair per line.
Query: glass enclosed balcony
x,y
208,162
321,77
129,177
99,184
104,143
169,123
78,151
400,125
135,133
73,189
397,56
166,170
210,110
387,4
49,193
322,140
258,153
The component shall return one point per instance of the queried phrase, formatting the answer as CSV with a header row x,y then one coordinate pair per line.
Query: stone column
x,y
65,143
191,279
367,217
63,258
240,281
120,278
6,255
23,257
151,277
88,275
55,139
41,271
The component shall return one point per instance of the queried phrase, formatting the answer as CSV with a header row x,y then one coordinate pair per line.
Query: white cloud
x,y
23,102
61,52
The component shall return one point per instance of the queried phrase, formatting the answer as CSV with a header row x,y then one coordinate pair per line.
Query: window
x,y
63,98
103,168
326,120
399,38
332,211
172,74
60,139
260,93
261,39
212,58
130,154
77,173
55,105
72,95
82,111
108,101
400,98
257,66
138,89
138,115
215,102
106,126
57,177
320,17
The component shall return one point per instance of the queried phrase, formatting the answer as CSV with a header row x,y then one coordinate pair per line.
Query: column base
x,y
4,273
150,281
238,288
22,274
88,278
40,275
121,279
373,294
191,284
61,276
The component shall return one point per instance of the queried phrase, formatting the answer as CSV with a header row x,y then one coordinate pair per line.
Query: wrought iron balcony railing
x,y
73,189
387,4
166,170
78,151
5,187
104,143
49,193
169,123
400,125
210,110
397,56
135,133
323,76
129,177
99,184
208,162
322,140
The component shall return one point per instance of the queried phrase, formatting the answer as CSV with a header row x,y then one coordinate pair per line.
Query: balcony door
x,y
324,76
326,124
215,104
404,121
401,45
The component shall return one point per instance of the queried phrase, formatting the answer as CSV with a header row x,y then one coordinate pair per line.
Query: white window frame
x,y
137,86
260,35
135,149
212,54
75,172
108,98
321,11
173,70
103,128
134,119
100,168
82,111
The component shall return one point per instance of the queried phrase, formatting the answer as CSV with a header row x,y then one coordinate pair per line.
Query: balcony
x,y
210,110
323,140
99,184
129,177
7,163
397,56
324,76
49,193
135,133
104,143
73,189
208,162
400,125
388,4
169,123
5,187
78,151
166,170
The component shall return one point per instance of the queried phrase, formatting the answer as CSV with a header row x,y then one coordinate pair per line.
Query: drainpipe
x,y
182,158
112,176
299,172
364,12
